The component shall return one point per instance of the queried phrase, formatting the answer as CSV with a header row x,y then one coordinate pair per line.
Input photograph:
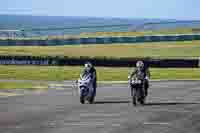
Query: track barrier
x,y
98,61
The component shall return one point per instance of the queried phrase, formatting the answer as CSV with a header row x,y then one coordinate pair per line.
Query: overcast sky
x,y
169,9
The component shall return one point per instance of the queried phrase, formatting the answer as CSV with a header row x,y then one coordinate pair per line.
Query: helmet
x,y
139,64
88,65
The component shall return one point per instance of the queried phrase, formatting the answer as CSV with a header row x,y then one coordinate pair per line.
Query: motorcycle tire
x,y
142,101
82,100
133,96
91,100
134,101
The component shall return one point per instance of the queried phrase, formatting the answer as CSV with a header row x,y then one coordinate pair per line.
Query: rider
x,y
143,70
89,69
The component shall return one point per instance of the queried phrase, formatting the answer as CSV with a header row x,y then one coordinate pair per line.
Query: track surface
x,y
172,107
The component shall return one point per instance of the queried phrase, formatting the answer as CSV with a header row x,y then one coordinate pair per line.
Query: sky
x,y
161,9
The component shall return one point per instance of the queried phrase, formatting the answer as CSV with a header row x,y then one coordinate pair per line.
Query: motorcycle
x,y
137,91
86,89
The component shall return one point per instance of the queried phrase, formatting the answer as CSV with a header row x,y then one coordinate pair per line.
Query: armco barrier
x,y
99,40
108,62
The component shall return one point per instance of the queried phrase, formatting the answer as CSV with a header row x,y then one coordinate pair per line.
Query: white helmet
x,y
140,64
88,65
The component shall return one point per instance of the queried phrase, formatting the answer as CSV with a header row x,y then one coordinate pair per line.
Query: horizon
x,y
100,17
42,15
127,9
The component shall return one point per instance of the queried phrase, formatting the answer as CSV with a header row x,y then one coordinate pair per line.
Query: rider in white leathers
x,y
89,69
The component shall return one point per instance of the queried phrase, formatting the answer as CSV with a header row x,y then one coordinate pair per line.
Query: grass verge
x,y
156,50
53,73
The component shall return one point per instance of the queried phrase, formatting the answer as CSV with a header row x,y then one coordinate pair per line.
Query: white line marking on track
x,y
60,85
156,123
100,114
4,94
173,111
59,88
88,124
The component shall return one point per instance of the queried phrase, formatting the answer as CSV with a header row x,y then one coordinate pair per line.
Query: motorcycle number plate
x,y
137,82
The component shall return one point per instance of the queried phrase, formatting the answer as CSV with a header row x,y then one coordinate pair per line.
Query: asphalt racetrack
x,y
172,107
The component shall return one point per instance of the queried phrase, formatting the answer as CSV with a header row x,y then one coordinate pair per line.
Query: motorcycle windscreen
x,y
85,76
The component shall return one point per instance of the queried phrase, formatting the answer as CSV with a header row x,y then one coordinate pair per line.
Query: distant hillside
x,y
169,25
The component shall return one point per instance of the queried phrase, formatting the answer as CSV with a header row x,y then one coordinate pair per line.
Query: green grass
x,y
22,85
52,73
49,73
158,50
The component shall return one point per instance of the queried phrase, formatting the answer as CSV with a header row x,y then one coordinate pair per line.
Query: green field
x,y
52,73
158,50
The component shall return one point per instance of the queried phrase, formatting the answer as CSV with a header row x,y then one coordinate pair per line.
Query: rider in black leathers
x,y
142,71
89,69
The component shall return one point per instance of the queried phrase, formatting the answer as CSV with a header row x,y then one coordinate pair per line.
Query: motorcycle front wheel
x,y
134,102
91,100
82,100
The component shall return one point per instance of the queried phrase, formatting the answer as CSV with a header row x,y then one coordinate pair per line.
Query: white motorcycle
x,y
137,90
86,89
